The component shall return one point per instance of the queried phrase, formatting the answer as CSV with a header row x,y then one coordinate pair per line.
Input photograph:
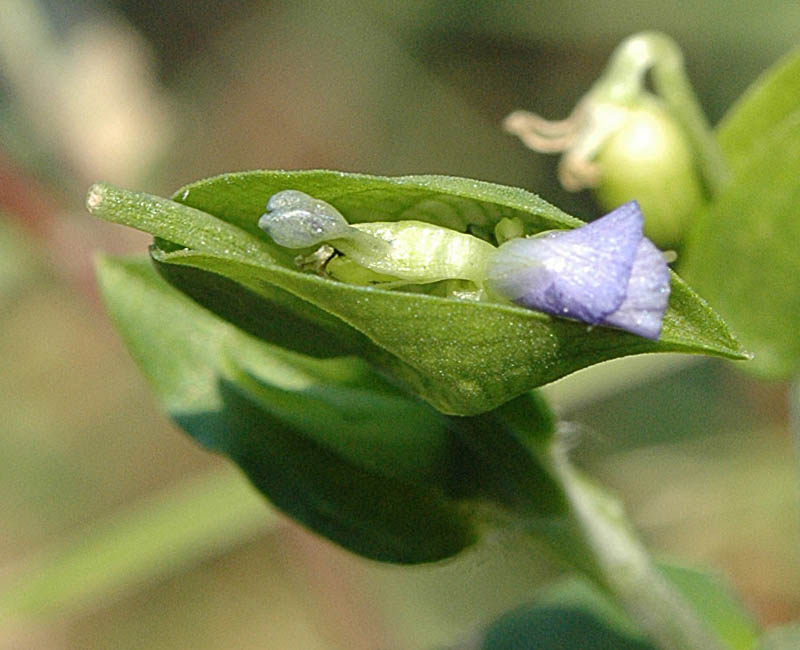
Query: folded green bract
x,y
463,357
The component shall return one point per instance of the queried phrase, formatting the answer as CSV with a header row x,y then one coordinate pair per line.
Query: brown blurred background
x,y
117,531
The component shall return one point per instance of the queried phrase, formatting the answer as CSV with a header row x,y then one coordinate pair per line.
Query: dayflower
x,y
604,273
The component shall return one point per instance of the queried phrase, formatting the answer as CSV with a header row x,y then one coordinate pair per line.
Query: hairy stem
x,y
596,538
621,566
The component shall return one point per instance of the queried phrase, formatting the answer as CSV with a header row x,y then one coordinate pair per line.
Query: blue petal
x,y
605,273
580,273
648,294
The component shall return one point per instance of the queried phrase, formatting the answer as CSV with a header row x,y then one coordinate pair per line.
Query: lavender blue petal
x,y
643,309
604,273
580,273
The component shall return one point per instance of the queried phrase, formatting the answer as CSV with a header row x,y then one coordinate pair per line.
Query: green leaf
x,y
577,592
754,223
456,203
786,637
276,315
331,442
463,357
743,254
466,357
574,614
143,543
716,604
571,614
772,98
507,463
557,628
303,430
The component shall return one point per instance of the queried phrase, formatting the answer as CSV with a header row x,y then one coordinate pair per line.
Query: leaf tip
x,y
95,197
737,352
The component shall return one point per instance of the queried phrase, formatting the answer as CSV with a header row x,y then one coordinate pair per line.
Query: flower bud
x,y
649,158
638,133
394,252
296,220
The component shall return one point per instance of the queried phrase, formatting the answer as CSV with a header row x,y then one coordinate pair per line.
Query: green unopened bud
x,y
507,229
396,253
628,142
422,252
649,159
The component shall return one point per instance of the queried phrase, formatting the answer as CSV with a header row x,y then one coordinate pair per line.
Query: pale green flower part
x,y
393,252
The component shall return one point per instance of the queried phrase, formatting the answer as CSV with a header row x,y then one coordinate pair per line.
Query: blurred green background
x,y
117,532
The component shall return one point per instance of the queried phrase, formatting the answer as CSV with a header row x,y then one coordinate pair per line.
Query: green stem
x,y
597,539
624,80
622,566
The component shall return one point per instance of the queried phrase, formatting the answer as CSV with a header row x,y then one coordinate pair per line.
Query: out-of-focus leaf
x,y
557,628
144,543
578,593
743,254
573,614
18,260
463,357
772,98
715,604
570,614
303,430
786,637
509,464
